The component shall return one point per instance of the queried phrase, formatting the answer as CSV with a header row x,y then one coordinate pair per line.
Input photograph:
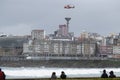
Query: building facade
x,y
38,34
59,47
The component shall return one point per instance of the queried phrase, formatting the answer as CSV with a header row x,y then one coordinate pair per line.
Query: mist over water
x,y
42,72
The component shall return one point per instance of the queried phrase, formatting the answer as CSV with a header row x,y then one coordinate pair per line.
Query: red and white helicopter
x,y
69,6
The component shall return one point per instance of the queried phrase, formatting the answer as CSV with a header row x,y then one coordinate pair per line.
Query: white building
x,y
36,47
116,49
38,34
59,47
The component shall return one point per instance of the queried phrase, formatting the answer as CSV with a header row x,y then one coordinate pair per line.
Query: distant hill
x,y
12,42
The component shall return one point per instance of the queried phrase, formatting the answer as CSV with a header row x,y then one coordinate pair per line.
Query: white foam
x,y
34,72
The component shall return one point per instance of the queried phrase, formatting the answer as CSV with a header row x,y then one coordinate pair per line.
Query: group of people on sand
x,y
105,75
62,76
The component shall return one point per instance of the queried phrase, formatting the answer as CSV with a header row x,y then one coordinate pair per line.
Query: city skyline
x,y
20,17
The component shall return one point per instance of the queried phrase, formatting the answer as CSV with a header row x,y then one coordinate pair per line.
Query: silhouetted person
x,y
53,76
63,75
2,75
112,75
104,74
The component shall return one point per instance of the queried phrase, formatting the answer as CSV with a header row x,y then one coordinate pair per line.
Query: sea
x,y
44,72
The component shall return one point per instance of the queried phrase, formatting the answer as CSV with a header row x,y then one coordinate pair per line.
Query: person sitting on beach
x,y
2,75
63,75
53,76
112,75
104,74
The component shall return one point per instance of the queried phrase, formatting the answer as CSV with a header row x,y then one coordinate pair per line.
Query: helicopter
x,y
69,6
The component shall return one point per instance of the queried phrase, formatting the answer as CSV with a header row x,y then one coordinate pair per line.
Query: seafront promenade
x,y
62,63
70,79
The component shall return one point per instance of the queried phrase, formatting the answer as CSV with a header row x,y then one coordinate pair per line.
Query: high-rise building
x,y
63,30
38,34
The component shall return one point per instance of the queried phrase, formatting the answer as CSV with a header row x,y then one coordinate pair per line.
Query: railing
x,y
51,57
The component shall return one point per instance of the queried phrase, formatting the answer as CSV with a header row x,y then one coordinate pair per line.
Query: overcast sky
x,y
19,17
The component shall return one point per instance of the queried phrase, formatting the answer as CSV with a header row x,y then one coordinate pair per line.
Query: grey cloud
x,y
93,15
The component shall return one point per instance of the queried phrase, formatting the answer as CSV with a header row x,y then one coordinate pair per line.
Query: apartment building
x,y
38,34
106,50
